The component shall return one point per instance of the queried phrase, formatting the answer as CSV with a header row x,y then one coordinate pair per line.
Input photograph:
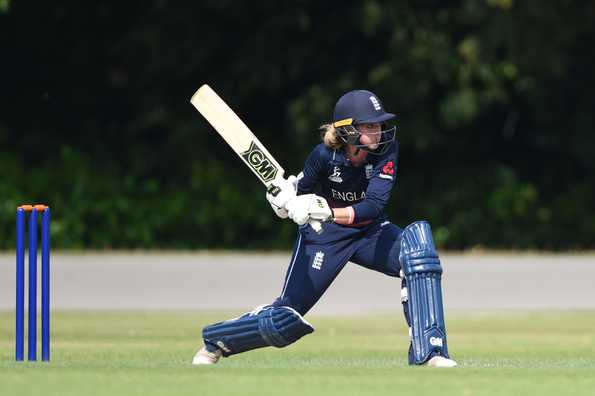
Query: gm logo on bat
x,y
257,159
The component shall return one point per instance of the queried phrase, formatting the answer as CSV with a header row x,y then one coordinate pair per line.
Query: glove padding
x,y
303,208
280,192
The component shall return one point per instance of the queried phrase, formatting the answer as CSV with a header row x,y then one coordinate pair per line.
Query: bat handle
x,y
316,226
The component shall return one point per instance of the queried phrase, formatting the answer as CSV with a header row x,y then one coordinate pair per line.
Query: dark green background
x,y
494,98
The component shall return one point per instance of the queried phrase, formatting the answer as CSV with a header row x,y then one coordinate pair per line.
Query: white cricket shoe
x,y
203,356
440,361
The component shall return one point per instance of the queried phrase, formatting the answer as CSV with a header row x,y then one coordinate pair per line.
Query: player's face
x,y
370,134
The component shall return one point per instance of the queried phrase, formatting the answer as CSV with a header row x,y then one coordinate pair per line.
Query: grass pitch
x,y
146,353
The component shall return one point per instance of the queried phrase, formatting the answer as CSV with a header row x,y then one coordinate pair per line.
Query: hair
x,y
329,136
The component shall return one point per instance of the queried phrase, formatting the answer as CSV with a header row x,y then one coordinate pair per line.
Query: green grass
x,y
137,353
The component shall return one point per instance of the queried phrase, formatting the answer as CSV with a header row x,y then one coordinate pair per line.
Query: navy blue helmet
x,y
362,107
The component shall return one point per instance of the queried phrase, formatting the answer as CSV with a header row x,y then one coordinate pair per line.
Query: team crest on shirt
x,y
336,175
318,259
369,168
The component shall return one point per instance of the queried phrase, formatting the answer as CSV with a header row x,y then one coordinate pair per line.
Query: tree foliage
x,y
494,101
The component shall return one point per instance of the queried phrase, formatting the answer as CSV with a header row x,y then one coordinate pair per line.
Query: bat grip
x,y
316,226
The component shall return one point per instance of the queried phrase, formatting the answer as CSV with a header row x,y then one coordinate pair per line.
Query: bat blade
x,y
237,135
240,138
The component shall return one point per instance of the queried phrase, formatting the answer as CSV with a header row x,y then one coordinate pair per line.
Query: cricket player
x,y
345,184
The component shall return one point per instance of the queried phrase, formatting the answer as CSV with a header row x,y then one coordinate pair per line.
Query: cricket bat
x,y
240,138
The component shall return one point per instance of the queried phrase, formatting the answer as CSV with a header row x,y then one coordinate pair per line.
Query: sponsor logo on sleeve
x,y
389,168
388,171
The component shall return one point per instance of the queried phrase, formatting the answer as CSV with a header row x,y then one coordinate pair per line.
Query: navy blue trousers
x,y
317,259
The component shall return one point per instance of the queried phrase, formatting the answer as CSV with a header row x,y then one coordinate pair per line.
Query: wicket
x,y
45,282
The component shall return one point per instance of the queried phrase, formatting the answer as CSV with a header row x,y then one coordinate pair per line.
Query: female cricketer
x,y
353,172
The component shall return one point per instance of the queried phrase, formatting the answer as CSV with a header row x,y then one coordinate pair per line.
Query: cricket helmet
x,y
362,107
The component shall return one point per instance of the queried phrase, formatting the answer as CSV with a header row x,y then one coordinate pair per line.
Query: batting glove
x,y
280,192
304,208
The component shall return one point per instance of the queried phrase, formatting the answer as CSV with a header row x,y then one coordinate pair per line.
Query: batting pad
x,y
421,266
265,326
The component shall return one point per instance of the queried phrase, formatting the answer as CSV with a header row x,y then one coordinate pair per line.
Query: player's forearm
x,y
343,215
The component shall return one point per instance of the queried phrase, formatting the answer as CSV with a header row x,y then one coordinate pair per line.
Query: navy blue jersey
x,y
366,188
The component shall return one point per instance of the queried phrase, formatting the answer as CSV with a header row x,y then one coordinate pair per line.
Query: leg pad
x,y
265,326
422,270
